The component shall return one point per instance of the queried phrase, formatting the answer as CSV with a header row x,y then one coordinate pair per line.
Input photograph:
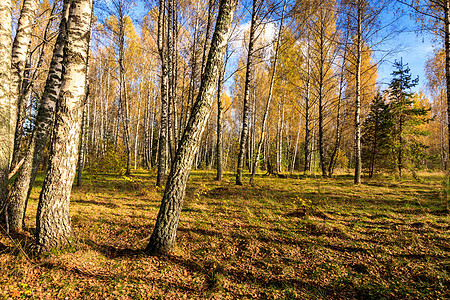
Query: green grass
x,y
292,238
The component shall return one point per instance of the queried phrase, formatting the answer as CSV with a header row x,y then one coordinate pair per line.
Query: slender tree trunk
x,y
294,155
207,33
248,82
374,148
163,237
163,128
23,183
307,129
447,63
5,99
219,145
338,120
53,228
321,101
269,99
123,101
136,136
400,147
19,57
358,100
82,147
28,83
152,132
21,112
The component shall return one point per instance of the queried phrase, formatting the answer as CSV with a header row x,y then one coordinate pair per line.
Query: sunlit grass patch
x,y
286,238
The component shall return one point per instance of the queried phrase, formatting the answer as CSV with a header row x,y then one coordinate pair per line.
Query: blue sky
x,y
417,49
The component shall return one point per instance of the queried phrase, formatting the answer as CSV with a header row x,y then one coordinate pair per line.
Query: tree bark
x,y
81,150
163,128
219,141
23,183
358,99
163,237
53,228
19,57
307,147
248,82
5,99
294,155
447,63
123,101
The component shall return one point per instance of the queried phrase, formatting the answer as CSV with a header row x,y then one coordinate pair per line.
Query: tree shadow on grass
x,y
113,252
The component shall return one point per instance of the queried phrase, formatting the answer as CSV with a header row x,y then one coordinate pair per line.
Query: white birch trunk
x,y
53,228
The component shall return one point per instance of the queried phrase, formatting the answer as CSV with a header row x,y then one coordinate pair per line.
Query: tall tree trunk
x,y
163,237
307,146
53,228
23,183
219,141
136,136
82,146
321,100
28,83
358,99
248,82
123,101
294,155
269,99
337,142
207,33
163,128
19,57
5,99
21,112
447,63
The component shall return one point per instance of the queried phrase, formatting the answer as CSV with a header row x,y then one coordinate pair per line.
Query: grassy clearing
x,y
295,238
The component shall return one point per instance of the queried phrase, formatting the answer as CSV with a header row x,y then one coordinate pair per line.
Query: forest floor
x,y
285,238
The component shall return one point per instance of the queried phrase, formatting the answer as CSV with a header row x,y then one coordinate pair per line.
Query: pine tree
x,y
405,116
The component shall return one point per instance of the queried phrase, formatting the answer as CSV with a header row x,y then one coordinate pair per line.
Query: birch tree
x,y
269,98
5,83
23,183
162,239
18,60
53,228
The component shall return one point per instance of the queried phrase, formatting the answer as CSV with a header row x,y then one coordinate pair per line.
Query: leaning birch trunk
x,y
23,183
5,113
53,228
19,57
248,82
269,99
162,239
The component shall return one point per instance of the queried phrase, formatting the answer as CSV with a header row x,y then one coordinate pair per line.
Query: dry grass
x,y
294,238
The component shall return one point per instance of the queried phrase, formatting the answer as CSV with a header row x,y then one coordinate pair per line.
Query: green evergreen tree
x,y
406,117
376,135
